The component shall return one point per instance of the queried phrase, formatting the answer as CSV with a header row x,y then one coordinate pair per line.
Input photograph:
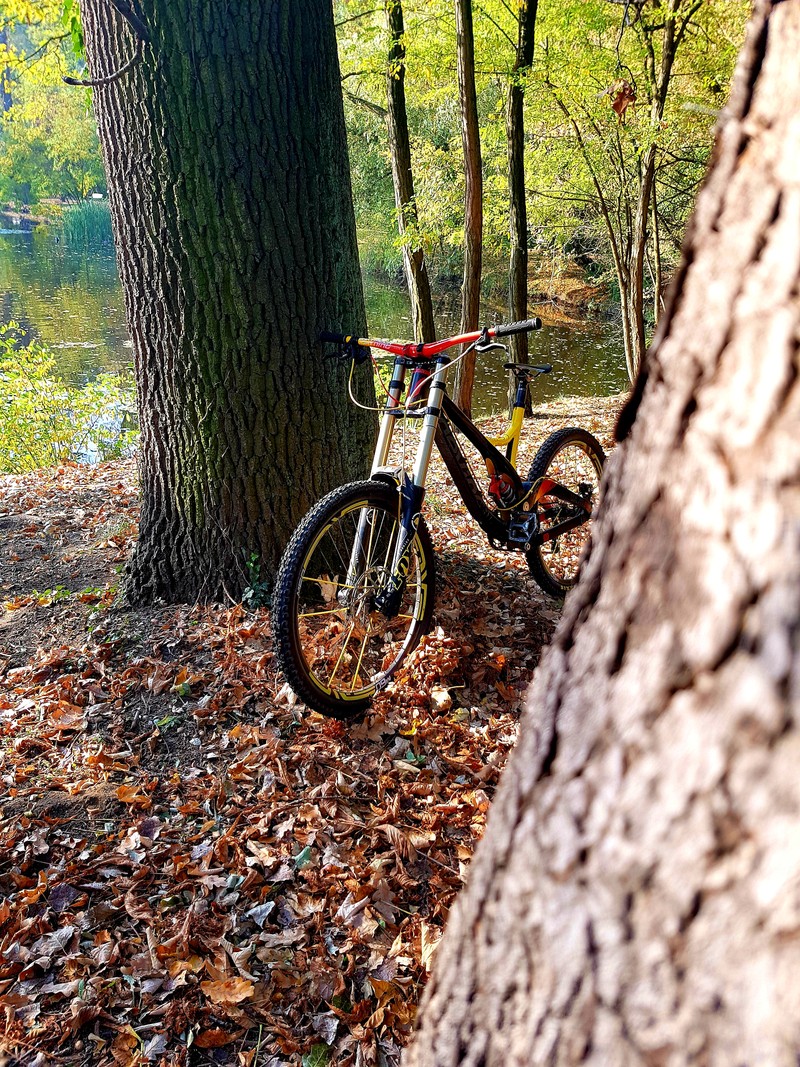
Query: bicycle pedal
x,y
522,529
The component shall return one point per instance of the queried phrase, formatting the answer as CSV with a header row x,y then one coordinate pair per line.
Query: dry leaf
x,y
229,991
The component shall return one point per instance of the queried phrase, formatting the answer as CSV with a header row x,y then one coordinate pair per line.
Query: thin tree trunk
x,y
229,186
628,326
676,20
635,264
5,75
658,276
518,211
473,199
403,177
634,901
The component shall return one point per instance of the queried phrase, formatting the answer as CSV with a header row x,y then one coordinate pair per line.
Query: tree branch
x,y
123,8
361,15
376,109
109,79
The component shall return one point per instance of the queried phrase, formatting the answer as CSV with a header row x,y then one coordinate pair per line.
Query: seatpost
x,y
522,389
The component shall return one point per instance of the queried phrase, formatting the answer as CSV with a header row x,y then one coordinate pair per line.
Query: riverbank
x,y
11,220
187,854
67,296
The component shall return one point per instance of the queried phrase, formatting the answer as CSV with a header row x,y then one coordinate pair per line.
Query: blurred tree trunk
x,y
658,269
473,199
518,211
635,899
5,72
229,186
403,178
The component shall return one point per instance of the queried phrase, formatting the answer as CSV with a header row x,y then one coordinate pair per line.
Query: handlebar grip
x,y
335,338
504,330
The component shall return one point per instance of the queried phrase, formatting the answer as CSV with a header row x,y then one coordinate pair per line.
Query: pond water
x,y
71,300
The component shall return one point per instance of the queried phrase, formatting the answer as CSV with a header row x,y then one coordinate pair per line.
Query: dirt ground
x,y
193,868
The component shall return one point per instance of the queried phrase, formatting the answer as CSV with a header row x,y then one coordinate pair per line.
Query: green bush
x,y
44,421
88,223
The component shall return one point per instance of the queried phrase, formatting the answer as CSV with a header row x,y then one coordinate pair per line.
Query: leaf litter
x,y
194,869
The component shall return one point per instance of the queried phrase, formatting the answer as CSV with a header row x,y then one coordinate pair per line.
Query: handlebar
x,y
508,328
427,351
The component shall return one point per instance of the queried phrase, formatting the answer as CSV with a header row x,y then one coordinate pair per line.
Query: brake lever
x,y
490,346
357,353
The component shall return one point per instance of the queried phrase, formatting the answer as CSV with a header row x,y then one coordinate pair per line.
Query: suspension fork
x,y
379,460
412,494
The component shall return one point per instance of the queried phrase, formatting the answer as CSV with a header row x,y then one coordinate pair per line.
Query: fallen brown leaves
x,y
195,869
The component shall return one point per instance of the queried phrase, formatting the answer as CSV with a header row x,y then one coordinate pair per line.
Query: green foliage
x,y
88,223
71,18
258,593
44,422
48,138
48,141
582,48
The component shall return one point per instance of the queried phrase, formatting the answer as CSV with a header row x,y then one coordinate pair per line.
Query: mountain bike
x,y
354,591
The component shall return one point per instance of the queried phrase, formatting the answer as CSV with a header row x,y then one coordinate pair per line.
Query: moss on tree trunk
x,y
229,185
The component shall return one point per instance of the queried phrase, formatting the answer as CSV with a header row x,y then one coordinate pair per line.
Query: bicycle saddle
x,y
524,369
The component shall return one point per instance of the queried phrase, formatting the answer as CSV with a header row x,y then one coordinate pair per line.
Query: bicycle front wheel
x,y
570,460
333,645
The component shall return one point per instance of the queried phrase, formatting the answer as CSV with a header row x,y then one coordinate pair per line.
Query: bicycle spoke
x,y
341,654
313,614
360,660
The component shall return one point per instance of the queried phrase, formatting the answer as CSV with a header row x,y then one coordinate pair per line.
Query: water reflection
x,y
70,299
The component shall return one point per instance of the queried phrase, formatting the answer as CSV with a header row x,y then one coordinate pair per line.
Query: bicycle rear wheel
x,y
333,645
571,459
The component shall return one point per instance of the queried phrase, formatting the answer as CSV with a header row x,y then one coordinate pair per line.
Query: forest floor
x,y
193,868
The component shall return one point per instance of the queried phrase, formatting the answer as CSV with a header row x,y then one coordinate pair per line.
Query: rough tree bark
x,y
229,186
464,376
635,899
518,211
419,289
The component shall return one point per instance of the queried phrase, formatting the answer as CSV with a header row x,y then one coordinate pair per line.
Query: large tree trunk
x,y
473,199
229,186
419,288
518,211
635,900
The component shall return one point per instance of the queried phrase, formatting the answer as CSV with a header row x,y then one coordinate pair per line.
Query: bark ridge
x,y
636,898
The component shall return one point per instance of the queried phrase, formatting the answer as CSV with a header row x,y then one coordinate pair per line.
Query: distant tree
x,y
517,194
473,197
416,271
50,143
628,123
635,898
229,186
